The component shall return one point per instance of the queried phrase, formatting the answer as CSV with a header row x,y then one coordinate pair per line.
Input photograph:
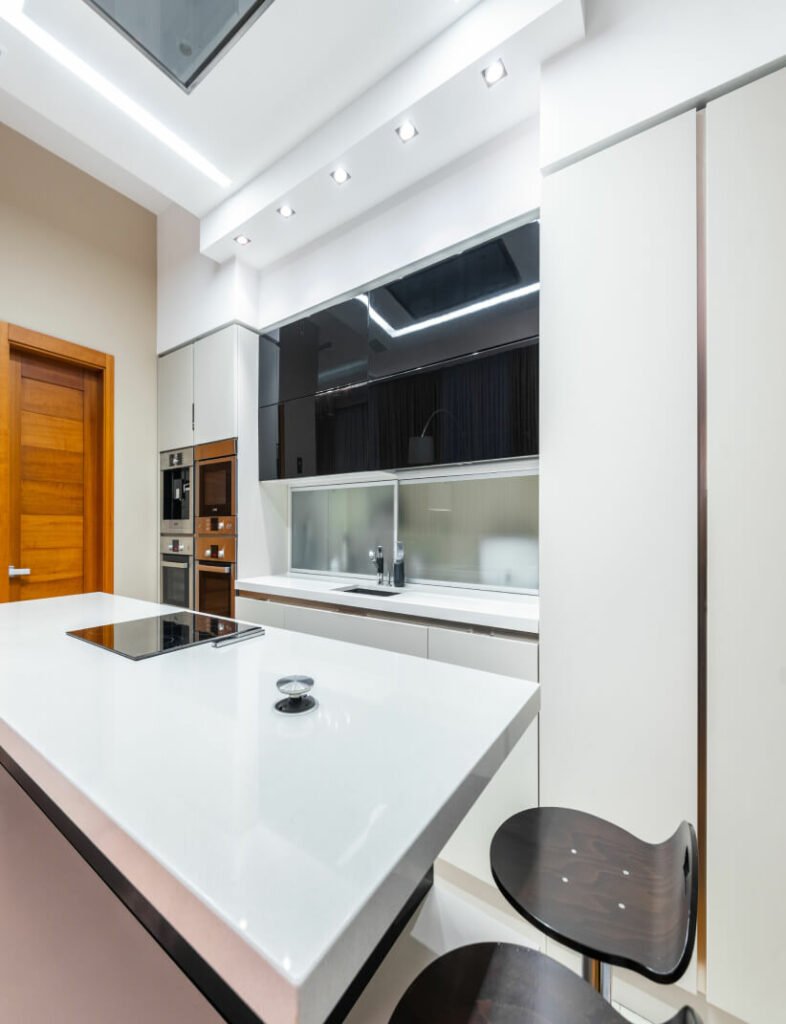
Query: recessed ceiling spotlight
x,y
341,175
494,73
286,211
242,240
406,131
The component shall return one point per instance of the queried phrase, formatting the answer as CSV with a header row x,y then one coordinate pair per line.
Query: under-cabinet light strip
x,y
12,11
455,314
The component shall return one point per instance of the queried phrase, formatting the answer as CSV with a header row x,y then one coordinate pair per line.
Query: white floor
x,y
449,917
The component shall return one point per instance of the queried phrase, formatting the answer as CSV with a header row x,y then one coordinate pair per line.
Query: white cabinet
x,y
502,654
175,399
514,788
215,386
746,601
618,484
198,391
384,634
263,613
618,549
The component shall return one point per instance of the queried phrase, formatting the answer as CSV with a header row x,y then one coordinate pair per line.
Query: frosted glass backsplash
x,y
471,532
334,528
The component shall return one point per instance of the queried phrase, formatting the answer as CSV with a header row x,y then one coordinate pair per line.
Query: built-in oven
x,y
216,468
177,491
177,571
215,584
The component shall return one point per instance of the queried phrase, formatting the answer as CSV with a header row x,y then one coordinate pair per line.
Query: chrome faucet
x,y
378,558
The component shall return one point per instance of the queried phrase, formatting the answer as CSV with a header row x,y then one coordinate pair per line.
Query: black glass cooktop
x,y
145,638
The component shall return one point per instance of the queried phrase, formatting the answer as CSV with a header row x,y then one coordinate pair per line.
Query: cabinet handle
x,y
222,570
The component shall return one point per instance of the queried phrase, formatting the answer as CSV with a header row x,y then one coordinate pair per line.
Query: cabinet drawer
x,y
400,637
499,654
263,613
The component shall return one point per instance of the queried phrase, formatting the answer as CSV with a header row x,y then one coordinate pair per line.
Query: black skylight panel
x,y
184,38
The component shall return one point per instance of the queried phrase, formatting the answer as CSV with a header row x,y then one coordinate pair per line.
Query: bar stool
x,y
599,890
501,983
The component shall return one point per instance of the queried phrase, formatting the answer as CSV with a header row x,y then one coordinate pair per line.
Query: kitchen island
x,y
269,855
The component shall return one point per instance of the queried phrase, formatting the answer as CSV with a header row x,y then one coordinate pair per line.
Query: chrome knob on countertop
x,y
297,695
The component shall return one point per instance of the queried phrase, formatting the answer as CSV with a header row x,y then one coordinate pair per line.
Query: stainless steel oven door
x,y
177,571
177,491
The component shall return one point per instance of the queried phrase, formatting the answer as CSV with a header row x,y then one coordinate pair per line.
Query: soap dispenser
x,y
398,566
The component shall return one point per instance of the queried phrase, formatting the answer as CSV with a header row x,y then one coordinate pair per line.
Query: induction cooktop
x,y
145,638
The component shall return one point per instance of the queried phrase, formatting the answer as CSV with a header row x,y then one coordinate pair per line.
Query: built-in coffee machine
x,y
177,528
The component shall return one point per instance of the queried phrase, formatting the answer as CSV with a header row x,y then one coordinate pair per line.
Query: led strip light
x,y
12,12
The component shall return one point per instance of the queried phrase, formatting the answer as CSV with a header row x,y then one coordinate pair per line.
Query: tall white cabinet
x,y
746,602
618,533
618,549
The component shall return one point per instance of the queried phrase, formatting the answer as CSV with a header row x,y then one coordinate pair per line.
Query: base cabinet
x,y
262,613
397,637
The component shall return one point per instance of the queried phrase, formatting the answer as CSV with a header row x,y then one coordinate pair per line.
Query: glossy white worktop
x,y
303,835
488,608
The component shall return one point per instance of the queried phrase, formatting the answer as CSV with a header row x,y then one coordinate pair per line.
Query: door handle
x,y
12,571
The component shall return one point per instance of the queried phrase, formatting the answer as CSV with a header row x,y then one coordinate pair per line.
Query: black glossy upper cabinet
x,y
326,350
479,299
436,367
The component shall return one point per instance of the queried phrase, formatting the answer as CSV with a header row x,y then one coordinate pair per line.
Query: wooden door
x,y
56,411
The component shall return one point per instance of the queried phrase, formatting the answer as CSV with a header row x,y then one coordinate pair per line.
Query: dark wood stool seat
x,y
601,891
499,983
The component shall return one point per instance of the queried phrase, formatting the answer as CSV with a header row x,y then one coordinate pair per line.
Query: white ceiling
x,y
310,82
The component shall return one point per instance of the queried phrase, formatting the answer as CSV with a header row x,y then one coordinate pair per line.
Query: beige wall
x,y
78,260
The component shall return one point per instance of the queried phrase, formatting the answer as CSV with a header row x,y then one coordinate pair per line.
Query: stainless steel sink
x,y
370,591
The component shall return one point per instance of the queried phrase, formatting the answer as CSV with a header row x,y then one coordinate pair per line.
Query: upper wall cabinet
x,y
479,299
440,366
320,352
198,392
215,386
176,399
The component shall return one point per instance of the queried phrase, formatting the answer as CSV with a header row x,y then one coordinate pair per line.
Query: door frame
x,y
25,340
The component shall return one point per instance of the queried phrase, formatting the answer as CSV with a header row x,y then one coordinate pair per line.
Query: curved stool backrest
x,y
600,890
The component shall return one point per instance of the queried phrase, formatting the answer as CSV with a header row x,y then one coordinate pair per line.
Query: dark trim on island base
x,y
215,990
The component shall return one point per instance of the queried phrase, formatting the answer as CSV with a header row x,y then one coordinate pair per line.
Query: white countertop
x,y
303,835
488,608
